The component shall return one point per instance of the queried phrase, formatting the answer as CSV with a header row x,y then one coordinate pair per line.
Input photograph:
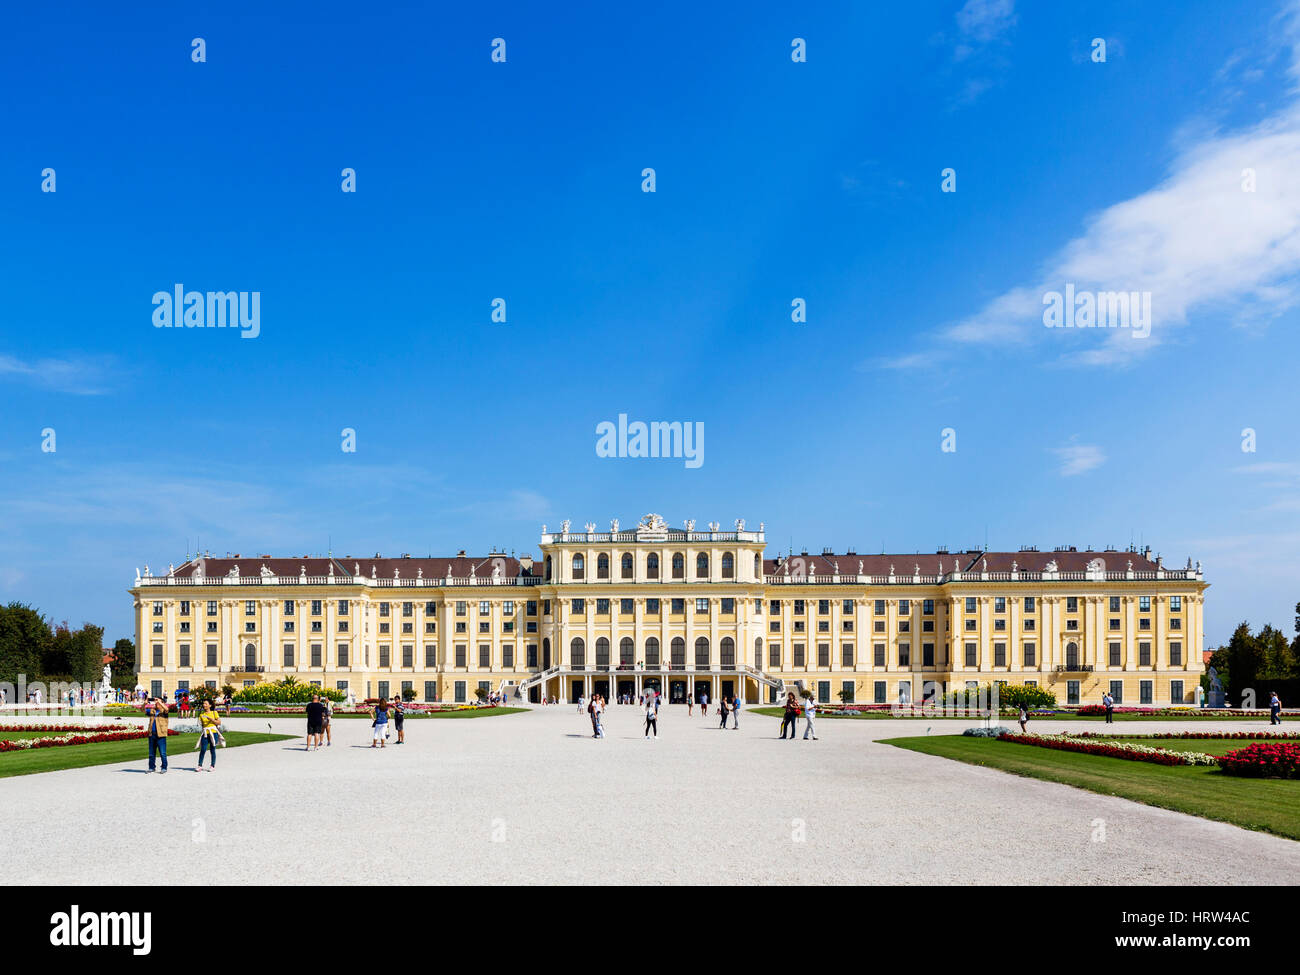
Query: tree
x,y
24,639
124,663
481,693
408,694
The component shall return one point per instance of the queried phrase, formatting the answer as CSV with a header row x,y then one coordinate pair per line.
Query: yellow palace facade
x,y
682,611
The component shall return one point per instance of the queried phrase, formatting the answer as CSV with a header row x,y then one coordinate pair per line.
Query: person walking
x,y
329,714
1109,703
380,725
156,712
399,720
583,704
209,734
809,709
722,713
315,722
788,718
1274,708
651,716
690,706
1024,720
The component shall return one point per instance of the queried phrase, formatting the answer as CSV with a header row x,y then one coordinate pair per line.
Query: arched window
x,y
702,653
625,653
602,566
250,656
701,566
546,653
679,653
758,652
548,568
627,565
728,565
577,652
652,566
758,567
727,652
679,566
1072,656
602,653
652,653
579,566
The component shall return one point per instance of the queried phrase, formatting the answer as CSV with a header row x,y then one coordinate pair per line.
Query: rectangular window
x,y
904,607
799,655
1071,692
157,654
532,655
999,604
846,655
652,607
880,692
970,604
460,692
212,607
383,609
972,655
1175,654
1175,604
211,651
1031,655
287,650
1114,608
904,655
1071,604
508,656
823,606
460,655
315,607
343,607
774,656
626,606
701,607
185,607
385,656
578,606
484,607
880,607
288,607
823,692
602,607
485,655
927,654
184,654
678,607
847,607
1117,691
1029,604
878,655
341,650
383,688
798,607
823,655
431,690
461,607
847,689
408,655
1114,650
430,655
1144,654
999,655
1144,691
1175,692
250,607
728,607
316,655
1144,604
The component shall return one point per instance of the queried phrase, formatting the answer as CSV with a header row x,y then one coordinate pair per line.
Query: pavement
x,y
531,798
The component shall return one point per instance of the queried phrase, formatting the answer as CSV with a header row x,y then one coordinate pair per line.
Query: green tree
x,y
124,663
24,639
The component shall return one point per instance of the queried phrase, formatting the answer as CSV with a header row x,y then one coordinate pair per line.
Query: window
x,y
484,626
701,607
1029,604
602,566
927,607
1144,691
602,607
880,692
1114,624
1031,655
579,567
1114,608
702,653
701,566
1144,654
530,608
846,655
880,607
728,565
184,654
1175,692
343,607
626,563
212,607
799,660
999,604
1072,656
799,608
652,566
878,655
461,654
652,653
430,690
679,565
485,655
1175,604
185,607
1175,654
927,654
211,651
531,658
847,689
579,606
288,654
904,607
626,606
1030,624
678,653
1117,691
1113,651
999,655
385,655
823,607
460,692
602,654
383,610
342,651
508,607
577,652
461,607
1071,692
508,656
972,655
1144,604
1071,604
250,608
1144,623
970,604
158,609
904,692
316,655
904,655
726,653
678,607
1175,623
728,606
774,656
823,655
652,607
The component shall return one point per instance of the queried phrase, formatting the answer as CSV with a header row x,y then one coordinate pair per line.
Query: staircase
x,y
777,684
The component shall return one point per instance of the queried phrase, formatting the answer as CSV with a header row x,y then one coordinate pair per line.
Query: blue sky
x,y
522,180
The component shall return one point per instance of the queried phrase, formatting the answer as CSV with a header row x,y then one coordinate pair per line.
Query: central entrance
x,y
703,689
677,692
652,685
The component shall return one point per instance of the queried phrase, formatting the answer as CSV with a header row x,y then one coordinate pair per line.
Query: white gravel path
x,y
531,798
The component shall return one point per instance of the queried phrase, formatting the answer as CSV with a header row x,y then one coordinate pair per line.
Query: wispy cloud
x,y
81,376
984,21
983,27
1079,458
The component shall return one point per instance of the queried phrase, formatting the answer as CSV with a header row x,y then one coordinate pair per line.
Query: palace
x,y
684,612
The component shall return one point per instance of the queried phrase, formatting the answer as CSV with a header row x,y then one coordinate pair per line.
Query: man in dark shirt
x,y
315,722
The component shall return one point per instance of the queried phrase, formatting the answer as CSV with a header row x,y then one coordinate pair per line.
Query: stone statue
x,y
564,526
543,528
740,524
1051,565
591,527
496,572
690,527
613,526
859,567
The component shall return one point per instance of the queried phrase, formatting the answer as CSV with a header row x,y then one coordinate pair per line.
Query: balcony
x,y
1073,668
248,669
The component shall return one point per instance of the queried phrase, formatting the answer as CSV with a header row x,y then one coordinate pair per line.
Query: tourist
x,y
209,735
788,718
1274,708
1024,720
315,722
704,705
722,713
809,709
399,719
690,706
735,713
329,714
651,716
583,704
156,712
380,724
1109,703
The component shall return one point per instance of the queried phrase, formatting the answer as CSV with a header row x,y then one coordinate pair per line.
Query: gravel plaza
x,y
531,798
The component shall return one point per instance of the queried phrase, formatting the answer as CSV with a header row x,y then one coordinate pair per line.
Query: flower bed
x,y
58,741
86,728
1264,760
1125,750
1200,735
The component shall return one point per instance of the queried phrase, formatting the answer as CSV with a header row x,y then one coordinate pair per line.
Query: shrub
x,y
995,732
285,691
1264,760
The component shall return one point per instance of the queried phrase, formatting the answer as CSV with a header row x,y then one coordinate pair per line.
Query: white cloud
x,y
84,377
983,21
1079,458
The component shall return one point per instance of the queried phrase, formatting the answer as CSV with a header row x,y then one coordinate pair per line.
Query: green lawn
x,y
1192,722
180,753
1270,805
